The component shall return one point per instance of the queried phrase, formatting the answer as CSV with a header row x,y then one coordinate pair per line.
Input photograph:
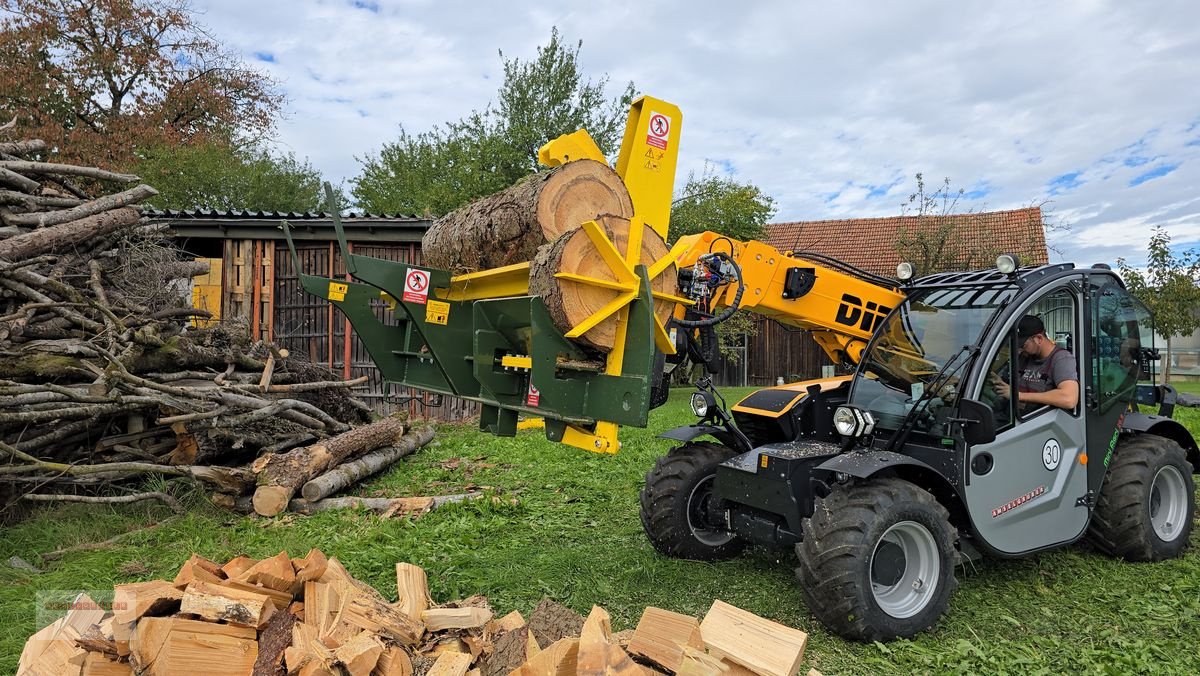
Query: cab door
x,y
1027,489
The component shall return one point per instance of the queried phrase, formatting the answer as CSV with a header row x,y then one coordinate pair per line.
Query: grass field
x,y
565,525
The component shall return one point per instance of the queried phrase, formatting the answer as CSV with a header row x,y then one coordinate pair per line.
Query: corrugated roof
x,y
266,215
870,243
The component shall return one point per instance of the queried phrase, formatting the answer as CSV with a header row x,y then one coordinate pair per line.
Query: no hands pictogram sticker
x,y
534,397
658,131
416,286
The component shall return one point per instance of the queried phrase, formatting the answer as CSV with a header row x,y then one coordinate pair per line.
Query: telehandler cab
x,y
882,481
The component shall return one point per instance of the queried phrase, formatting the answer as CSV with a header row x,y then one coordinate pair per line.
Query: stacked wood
x,y
509,226
103,377
310,616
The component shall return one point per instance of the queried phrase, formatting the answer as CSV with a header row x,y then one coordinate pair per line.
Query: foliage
x,y
220,176
935,243
436,171
720,204
574,535
100,79
1167,287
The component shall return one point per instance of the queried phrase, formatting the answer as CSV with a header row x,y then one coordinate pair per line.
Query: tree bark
x,y
347,473
570,302
509,226
66,235
378,504
280,476
65,170
22,147
96,206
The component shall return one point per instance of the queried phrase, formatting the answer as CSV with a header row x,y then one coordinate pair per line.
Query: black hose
x,y
727,312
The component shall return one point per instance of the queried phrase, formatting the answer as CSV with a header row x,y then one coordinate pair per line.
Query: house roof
x,y
359,226
870,243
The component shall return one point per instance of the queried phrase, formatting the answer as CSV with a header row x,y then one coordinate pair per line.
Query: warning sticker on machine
x,y
534,397
416,286
437,312
338,291
659,131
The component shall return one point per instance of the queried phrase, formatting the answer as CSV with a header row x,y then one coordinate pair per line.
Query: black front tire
x,y
674,503
877,561
1147,502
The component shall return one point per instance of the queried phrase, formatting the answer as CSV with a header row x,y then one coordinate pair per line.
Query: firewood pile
x,y
103,375
308,616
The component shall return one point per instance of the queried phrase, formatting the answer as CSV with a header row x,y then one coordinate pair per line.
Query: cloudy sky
x,y
1091,107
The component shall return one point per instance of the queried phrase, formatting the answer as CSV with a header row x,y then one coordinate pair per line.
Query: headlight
x,y
905,271
700,404
1007,263
850,421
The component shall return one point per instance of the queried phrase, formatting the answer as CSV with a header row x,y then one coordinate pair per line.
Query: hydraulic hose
x,y
727,312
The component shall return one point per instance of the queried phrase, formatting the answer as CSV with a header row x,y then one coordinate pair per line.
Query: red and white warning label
x,y
416,286
533,397
659,131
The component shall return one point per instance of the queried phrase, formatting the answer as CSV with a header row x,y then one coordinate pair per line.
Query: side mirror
x,y
978,422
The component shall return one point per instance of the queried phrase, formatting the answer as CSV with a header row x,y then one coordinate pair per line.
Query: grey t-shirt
x,y
1043,375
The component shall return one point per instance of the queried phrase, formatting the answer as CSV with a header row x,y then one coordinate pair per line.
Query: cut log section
x,y
571,302
765,647
509,226
347,473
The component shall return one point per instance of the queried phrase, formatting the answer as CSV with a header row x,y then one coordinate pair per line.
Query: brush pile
x,y
310,617
106,371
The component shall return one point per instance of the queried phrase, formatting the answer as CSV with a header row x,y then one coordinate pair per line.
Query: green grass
x,y
574,535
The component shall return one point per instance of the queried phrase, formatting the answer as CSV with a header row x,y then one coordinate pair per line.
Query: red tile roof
x,y
870,243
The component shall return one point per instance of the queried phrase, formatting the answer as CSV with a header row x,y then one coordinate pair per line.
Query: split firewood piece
x,y
559,659
297,610
450,664
813,672
238,565
275,572
661,636
321,605
219,603
164,646
696,662
100,664
598,656
360,654
198,568
311,567
281,599
99,639
133,601
52,650
551,621
280,476
412,589
122,632
509,226
272,641
349,473
364,611
438,619
570,302
393,662
513,620
307,655
765,647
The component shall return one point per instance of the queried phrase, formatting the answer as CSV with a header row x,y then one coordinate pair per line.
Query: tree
x,y
1167,287
100,79
436,171
720,204
220,176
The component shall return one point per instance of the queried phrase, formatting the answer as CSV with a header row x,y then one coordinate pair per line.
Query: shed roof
x,y
244,224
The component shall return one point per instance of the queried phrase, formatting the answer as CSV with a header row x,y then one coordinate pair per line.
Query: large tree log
x,y
345,474
66,235
570,302
280,476
22,147
509,226
65,170
96,206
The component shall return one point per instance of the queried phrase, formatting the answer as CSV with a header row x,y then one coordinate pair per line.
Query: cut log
x,y
108,203
414,506
551,621
134,601
164,646
765,647
394,662
412,590
219,603
280,476
275,573
67,235
359,655
351,472
661,636
509,226
571,302
451,664
272,641
439,619
559,659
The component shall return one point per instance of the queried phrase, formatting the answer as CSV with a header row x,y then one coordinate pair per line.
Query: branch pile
x,y
309,616
103,376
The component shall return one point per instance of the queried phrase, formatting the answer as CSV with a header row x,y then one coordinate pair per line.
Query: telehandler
x,y
882,481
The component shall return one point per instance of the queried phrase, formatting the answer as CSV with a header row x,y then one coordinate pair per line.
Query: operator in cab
x,y
1046,373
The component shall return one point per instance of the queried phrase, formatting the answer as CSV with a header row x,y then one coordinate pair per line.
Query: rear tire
x,y
877,560
674,504
1147,502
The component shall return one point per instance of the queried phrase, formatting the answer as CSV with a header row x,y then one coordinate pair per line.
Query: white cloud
x,y
807,100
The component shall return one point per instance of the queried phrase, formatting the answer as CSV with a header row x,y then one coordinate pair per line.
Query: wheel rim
x,y
697,512
905,569
1168,503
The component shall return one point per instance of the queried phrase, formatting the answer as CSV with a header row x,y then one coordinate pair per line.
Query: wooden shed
x,y
252,279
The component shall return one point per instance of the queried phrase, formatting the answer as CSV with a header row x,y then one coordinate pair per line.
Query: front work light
x,y
850,421
1007,263
701,402
905,271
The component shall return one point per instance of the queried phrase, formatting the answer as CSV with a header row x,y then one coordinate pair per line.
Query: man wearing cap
x,y
1046,373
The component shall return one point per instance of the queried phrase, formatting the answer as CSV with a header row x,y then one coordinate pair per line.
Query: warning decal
x,y
533,397
437,312
416,286
659,131
337,291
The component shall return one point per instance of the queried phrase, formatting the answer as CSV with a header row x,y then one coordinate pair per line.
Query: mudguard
x,y
687,433
1146,423
865,465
